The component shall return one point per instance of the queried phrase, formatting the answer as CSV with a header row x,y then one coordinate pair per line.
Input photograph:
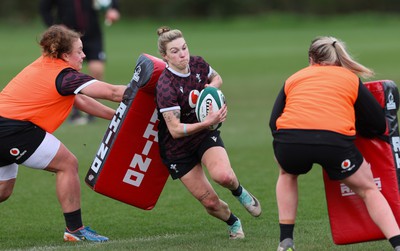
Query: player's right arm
x,y
102,90
93,107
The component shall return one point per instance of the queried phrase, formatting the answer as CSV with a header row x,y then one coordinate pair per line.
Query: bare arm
x,y
179,130
93,107
215,80
103,90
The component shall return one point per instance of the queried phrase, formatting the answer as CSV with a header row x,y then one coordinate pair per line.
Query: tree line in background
x,y
23,10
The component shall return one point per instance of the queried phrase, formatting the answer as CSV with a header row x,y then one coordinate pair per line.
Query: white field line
x,y
91,244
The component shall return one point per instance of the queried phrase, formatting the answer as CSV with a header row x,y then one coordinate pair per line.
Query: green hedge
x,y
27,10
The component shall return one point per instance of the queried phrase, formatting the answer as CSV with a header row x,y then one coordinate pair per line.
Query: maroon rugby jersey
x,y
172,93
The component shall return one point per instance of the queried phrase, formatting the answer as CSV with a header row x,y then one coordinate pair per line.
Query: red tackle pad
x,y
127,166
348,215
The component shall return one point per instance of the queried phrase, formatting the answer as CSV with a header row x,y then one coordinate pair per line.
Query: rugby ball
x,y
209,97
102,4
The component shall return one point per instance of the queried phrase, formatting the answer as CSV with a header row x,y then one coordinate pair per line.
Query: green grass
x,y
254,56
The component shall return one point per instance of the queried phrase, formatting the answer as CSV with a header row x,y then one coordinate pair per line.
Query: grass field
x,y
254,57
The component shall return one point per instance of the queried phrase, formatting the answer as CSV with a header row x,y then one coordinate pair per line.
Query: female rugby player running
x,y
185,143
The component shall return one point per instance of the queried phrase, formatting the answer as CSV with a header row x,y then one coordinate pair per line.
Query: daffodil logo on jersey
x,y
193,96
173,167
14,151
347,166
198,77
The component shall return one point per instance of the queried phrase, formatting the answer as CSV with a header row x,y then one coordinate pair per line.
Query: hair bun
x,y
162,30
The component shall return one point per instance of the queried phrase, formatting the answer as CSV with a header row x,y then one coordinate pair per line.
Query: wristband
x,y
185,130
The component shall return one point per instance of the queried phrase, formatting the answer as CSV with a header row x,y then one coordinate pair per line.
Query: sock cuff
x,y
232,219
237,191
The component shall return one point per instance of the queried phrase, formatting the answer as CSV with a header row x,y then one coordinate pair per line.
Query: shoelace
x,y
90,231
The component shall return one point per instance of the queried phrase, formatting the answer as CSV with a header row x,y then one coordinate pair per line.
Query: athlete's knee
x,y
4,196
72,165
369,192
67,163
74,162
225,179
6,189
70,160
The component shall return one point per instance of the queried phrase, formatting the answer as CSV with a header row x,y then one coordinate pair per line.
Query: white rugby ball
x,y
102,4
209,97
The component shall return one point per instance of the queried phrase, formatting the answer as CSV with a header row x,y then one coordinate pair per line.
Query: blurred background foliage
x,y
26,11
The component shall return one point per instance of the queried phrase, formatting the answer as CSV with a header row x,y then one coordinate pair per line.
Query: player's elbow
x,y
176,131
175,134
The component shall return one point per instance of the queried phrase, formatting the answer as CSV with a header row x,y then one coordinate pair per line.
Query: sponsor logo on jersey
x,y
193,96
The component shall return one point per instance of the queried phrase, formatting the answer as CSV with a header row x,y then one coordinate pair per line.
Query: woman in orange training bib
x,y
314,121
34,104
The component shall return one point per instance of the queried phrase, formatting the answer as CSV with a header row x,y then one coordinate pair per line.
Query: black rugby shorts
x,y
19,140
179,167
339,162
